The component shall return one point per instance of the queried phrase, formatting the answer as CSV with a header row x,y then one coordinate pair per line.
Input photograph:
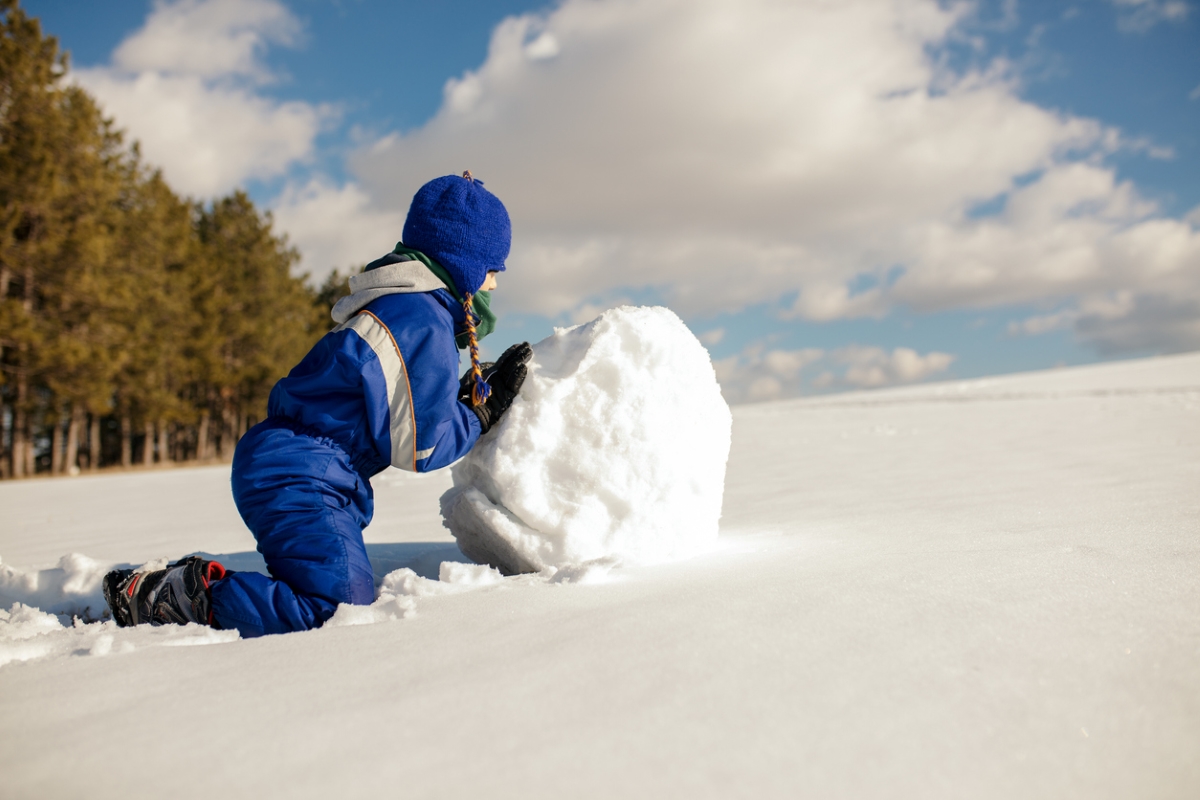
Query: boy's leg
x,y
307,507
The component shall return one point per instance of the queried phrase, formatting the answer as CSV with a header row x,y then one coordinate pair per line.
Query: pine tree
x,y
81,289
127,314
334,288
33,135
155,239
269,319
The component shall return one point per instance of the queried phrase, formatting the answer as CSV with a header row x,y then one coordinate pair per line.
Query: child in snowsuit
x,y
381,388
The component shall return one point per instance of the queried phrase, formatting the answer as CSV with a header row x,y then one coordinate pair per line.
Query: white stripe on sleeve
x,y
395,375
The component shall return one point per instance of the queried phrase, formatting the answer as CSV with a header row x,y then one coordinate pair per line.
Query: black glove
x,y
505,377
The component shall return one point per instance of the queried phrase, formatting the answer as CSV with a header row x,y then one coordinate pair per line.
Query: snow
x,y
394,598
70,589
614,452
28,634
972,589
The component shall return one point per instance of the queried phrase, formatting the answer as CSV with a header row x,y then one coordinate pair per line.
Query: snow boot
x,y
176,595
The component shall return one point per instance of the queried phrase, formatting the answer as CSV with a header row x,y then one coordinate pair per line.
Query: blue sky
x,y
831,199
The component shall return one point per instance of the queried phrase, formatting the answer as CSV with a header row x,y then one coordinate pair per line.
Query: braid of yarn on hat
x,y
480,391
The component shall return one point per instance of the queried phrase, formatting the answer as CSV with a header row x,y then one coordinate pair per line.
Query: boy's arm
x,y
446,429
412,408
410,386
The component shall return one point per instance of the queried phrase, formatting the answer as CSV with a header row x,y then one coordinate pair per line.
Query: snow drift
x,y
614,452
60,611
70,590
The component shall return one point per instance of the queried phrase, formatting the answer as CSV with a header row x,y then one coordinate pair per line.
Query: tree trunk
x,y
17,453
228,423
5,434
22,449
94,443
56,449
30,455
73,439
5,449
202,437
164,442
20,429
126,441
148,446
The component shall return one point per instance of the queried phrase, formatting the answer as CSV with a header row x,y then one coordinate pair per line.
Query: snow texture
x,y
614,452
28,634
70,589
394,598
60,611
49,611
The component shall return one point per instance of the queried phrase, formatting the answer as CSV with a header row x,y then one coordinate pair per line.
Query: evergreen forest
x,y
137,326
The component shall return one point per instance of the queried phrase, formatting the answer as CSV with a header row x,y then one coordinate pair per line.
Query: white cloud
x,y
1128,323
1124,323
208,140
872,367
544,46
1043,323
335,226
759,374
184,86
208,38
810,156
728,154
1139,16
1074,236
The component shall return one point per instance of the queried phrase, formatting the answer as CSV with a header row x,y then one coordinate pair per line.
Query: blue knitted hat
x,y
462,226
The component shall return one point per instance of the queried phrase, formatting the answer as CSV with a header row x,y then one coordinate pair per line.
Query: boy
x,y
381,388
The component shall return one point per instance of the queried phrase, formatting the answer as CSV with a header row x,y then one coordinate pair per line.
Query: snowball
x,y
614,451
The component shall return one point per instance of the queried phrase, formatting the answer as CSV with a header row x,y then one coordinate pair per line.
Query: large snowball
x,y
614,449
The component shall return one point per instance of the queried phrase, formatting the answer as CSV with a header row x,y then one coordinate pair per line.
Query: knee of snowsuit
x,y
306,506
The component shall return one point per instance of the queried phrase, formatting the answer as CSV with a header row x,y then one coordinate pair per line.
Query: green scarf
x,y
480,301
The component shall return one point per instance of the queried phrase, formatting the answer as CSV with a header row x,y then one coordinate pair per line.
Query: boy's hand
x,y
505,377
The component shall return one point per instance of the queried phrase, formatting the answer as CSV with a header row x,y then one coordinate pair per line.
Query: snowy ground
x,y
979,589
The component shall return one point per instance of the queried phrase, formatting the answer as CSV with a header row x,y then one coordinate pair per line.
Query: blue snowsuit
x,y
379,389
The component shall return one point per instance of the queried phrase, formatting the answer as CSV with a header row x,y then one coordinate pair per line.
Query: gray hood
x,y
406,276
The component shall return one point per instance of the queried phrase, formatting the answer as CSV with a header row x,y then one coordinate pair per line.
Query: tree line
x,y
136,326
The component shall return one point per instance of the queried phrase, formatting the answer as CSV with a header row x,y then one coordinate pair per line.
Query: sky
x,y
832,195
